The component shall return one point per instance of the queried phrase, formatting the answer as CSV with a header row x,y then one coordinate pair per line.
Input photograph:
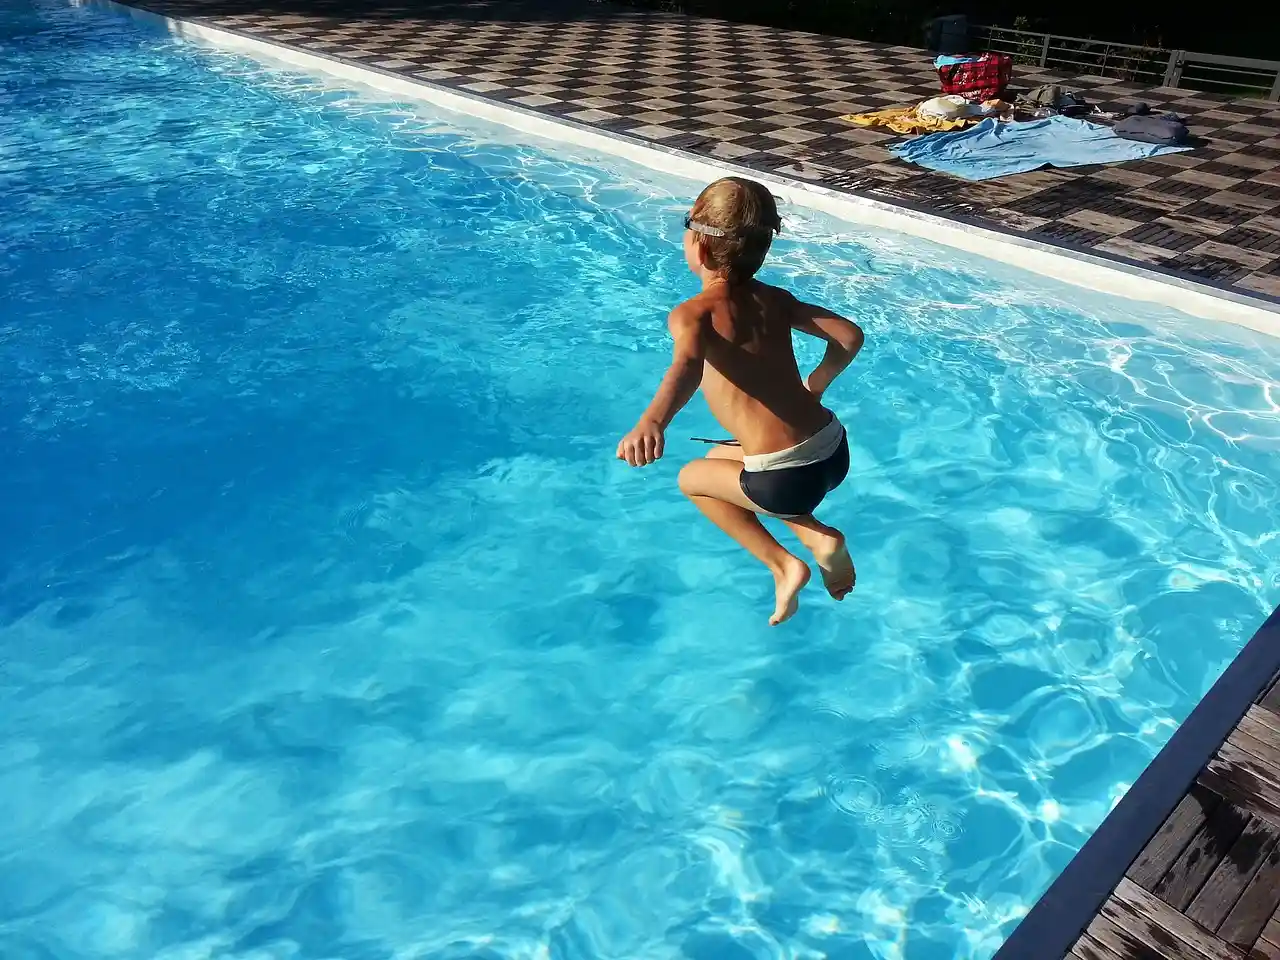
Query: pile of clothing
x,y
1051,100
982,140
940,113
1140,124
1137,122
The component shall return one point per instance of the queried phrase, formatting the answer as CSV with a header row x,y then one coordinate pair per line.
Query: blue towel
x,y
949,61
993,149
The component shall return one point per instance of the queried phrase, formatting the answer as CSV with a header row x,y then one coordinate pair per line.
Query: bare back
x,y
750,378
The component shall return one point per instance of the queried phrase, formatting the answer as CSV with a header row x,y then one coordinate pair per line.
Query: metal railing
x,y
1219,74
1151,66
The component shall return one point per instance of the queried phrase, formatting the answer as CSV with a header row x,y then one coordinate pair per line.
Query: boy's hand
x,y
643,445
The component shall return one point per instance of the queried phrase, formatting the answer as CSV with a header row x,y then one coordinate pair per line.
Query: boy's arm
x,y
844,339
644,444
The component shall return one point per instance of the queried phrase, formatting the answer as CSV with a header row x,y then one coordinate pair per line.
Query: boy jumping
x,y
734,340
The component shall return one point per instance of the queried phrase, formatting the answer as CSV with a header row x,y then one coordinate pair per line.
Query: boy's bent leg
x,y
829,551
826,543
712,484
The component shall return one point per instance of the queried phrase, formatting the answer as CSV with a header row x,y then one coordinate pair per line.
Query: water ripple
x,y
329,626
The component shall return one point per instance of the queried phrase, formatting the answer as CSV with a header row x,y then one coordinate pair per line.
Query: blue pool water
x,y
330,627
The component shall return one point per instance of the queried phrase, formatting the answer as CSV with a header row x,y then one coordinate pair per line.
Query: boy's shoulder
x,y
702,306
689,315
712,297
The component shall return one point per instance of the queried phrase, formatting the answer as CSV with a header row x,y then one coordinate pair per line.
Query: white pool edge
x,y
1090,271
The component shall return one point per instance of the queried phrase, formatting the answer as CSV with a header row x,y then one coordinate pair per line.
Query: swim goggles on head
x,y
702,228
709,231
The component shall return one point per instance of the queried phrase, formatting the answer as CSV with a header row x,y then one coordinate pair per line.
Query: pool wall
x,y
1104,275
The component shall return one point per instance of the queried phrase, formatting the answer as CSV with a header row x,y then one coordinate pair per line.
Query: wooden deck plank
x,y
1163,849
1236,775
1265,950
1121,942
1259,748
1140,907
1233,876
1272,929
1086,948
1196,864
1264,716
1271,699
1236,751
1258,904
1262,725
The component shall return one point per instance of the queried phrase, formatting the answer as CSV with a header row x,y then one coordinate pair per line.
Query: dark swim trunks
x,y
792,482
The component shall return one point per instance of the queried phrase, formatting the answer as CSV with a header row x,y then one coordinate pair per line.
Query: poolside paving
x,y
772,99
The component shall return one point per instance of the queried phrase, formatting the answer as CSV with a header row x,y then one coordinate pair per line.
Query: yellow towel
x,y
905,120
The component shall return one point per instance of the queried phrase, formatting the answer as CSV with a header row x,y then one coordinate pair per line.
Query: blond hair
x,y
745,214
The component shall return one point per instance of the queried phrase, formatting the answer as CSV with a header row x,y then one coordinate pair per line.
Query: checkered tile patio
x,y
772,100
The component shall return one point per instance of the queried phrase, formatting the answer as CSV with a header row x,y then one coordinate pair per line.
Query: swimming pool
x,y
330,627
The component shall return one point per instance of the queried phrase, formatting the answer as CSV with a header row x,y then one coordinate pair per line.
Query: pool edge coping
x,y
1098,272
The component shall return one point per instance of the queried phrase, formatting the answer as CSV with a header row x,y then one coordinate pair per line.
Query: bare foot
x,y
788,582
835,564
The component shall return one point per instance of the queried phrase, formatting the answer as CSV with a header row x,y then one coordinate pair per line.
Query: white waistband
x,y
817,448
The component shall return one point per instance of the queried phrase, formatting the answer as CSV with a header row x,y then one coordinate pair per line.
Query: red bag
x,y
982,79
